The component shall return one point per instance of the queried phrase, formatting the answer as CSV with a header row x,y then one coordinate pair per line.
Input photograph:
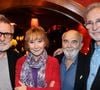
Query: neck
x,y
68,63
36,58
2,54
98,43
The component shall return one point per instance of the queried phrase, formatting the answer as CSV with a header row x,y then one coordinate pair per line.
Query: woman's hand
x,y
22,87
52,84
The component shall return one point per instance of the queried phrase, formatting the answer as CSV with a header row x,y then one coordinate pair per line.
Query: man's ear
x,y
81,45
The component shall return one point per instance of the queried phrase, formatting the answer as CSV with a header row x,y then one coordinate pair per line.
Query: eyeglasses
x,y
6,35
90,24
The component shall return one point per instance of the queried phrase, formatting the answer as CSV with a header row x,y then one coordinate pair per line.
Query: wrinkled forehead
x,y
5,27
72,36
93,14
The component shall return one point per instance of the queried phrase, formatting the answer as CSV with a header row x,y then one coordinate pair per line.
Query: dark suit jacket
x,y
80,75
12,58
96,82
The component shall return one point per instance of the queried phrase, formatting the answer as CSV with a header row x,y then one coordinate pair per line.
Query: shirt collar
x,y
75,59
96,47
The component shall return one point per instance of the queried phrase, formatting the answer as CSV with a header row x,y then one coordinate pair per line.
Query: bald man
x,y
72,61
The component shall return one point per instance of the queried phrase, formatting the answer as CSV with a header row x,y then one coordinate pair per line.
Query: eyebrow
x,y
88,21
6,33
98,19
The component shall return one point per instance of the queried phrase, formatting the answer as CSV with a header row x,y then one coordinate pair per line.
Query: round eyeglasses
x,y
90,24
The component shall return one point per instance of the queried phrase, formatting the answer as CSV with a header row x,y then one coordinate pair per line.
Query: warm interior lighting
x,y
13,24
34,22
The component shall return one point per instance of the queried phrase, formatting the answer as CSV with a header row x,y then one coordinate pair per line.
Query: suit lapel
x,y
80,72
96,82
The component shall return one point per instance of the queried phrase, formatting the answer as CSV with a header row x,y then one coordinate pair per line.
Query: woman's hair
x,y
35,33
91,7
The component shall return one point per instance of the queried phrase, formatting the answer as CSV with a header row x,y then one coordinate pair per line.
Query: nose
x,y
35,45
69,45
94,28
2,38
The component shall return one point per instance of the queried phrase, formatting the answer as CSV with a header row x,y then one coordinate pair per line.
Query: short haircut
x,y
35,33
90,7
75,32
3,19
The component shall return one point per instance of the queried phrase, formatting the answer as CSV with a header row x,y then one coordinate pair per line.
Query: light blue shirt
x,y
94,65
68,75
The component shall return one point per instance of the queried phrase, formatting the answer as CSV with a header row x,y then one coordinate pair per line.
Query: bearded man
x,y
8,56
72,61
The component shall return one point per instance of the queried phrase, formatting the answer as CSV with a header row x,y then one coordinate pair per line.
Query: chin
x,y
96,39
4,48
37,54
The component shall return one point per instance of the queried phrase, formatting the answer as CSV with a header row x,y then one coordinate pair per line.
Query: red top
x,y
52,73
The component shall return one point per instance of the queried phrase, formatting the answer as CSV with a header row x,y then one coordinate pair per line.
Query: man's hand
x,y
58,52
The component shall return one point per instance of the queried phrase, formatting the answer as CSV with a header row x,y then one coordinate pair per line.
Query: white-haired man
x,y
7,56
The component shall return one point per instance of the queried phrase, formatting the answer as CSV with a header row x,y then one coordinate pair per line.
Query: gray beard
x,y
6,47
71,54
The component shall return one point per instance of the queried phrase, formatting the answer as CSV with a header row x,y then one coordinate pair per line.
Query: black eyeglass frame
x,y
6,34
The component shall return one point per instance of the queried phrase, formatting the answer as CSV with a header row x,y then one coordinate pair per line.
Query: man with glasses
x,y
92,23
8,57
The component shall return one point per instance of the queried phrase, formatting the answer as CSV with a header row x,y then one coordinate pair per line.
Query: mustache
x,y
95,31
68,49
3,43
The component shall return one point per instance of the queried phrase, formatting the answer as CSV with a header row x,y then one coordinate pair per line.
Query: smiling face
x,y
36,46
36,40
93,23
71,43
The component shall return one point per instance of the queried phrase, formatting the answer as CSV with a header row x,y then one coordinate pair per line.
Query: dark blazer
x,y
96,82
80,71
12,58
